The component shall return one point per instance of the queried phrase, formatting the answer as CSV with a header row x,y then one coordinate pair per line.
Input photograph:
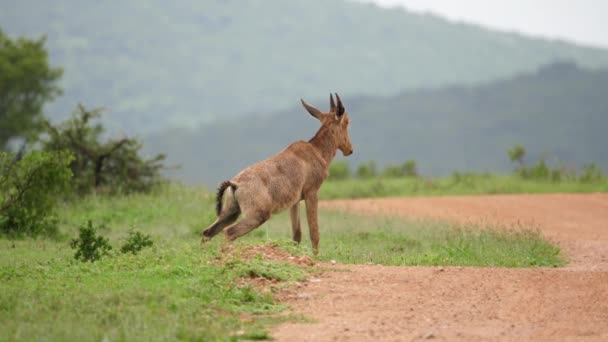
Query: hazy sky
x,y
582,21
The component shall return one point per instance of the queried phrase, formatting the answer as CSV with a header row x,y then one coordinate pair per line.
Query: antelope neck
x,y
324,143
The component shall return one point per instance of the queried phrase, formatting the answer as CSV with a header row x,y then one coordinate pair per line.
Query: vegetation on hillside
x,y
155,63
558,112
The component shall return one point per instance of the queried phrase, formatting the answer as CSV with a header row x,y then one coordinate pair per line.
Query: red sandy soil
x,y
388,303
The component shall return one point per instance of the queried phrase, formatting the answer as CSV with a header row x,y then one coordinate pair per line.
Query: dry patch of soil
x,y
362,302
269,251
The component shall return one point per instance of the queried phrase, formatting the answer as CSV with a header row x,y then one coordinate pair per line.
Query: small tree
x,y
27,82
517,154
89,246
112,166
29,191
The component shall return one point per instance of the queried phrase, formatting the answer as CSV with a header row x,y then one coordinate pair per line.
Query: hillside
x,y
558,113
155,63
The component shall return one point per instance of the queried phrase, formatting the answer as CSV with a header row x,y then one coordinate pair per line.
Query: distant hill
x,y
559,113
158,63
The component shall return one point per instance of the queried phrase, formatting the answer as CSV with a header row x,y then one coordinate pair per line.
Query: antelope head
x,y
335,122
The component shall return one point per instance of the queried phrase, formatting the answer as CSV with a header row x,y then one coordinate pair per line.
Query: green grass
x,y
171,291
178,290
172,211
466,184
353,239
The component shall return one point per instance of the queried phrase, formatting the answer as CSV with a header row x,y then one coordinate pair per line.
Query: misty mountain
x,y
559,113
155,64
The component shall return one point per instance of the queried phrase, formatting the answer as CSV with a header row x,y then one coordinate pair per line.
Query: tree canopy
x,y
27,82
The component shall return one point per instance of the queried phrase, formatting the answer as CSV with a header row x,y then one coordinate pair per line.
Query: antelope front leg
x,y
313,224
294,214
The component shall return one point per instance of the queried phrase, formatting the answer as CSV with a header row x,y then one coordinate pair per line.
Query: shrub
x,y
391,171
591,174
407,169
339,170
539,171
136,242
367,170
90,246
29,191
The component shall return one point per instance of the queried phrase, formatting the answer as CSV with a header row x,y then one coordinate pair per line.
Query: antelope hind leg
x,y
246,225
218,225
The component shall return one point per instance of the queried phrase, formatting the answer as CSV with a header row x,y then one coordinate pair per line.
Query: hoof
x,y
205,236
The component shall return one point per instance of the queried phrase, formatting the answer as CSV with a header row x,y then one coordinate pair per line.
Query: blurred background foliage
x,y
215,84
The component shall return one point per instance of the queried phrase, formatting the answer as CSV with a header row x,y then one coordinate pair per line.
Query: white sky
x,y
581,21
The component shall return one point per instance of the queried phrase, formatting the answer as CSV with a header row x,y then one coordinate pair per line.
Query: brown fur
x,y
282,181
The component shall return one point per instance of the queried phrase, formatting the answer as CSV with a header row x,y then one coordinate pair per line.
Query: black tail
x,y
220,195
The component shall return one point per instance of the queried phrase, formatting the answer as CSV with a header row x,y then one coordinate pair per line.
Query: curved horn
x,y
312,110
340,110
332,104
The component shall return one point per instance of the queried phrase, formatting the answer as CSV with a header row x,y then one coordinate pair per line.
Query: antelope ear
x,y
312,110
340,111
332,104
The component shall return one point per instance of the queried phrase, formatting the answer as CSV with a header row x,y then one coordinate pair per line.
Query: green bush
x,y
29,191
90,246
539,171
407,169
591,174
339,170
367,170
136,242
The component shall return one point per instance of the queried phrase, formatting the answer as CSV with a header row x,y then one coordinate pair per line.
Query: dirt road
x,y
362,302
